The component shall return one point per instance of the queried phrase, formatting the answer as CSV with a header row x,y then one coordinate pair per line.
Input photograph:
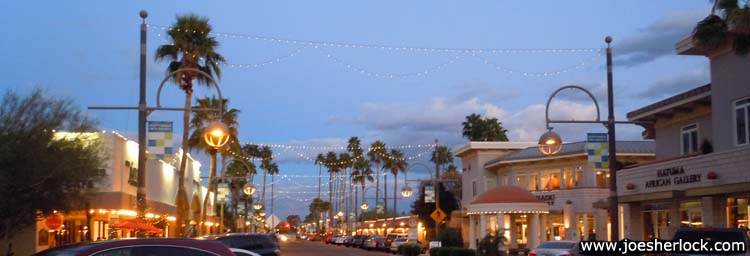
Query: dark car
x,y
263,244
357,241
145,246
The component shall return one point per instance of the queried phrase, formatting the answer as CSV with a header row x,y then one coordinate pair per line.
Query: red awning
x,y
136,224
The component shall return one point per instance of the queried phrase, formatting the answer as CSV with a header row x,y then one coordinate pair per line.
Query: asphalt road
x,y
301,248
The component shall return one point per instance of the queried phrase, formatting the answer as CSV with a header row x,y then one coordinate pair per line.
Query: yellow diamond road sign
x,y
438,215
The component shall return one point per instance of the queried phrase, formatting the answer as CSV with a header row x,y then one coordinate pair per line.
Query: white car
x,y
339,240
399,241
556,248
241,252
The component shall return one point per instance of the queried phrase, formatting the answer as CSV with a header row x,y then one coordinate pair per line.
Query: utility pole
x,y
437,187
142,113
613,211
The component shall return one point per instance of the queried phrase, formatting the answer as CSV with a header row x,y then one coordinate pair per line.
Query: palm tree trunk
x,y
377,187
395,189
181,200
385,198
272,183
263,201
211,175
330,200
320,177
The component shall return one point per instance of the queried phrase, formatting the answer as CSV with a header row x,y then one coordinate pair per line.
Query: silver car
x,y
557,248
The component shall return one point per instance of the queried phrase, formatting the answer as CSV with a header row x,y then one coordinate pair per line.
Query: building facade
x,y
114,201
574,192
703,152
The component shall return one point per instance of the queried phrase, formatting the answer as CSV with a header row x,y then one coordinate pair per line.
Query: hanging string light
x,y
539,74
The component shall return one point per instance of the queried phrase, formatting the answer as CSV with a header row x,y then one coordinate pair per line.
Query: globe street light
x,y
550,143
364,206
248,189
257,206
406,192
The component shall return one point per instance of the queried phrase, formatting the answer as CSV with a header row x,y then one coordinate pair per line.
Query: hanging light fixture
x,y
406,192
216,135
248,189
550,143
364,206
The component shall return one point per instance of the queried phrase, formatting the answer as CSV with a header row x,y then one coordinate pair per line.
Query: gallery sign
x,y
672,176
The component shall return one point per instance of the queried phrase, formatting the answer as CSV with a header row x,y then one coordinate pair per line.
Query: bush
x,y
445,251
450,238
410,249
462,252
434,251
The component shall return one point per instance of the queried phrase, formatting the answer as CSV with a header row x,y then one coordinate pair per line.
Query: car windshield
x,y
709,235
401,239
557,245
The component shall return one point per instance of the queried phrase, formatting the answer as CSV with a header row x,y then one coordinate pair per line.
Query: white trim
x,y
491,145
491,208
557,157
734,122
675,104
697,137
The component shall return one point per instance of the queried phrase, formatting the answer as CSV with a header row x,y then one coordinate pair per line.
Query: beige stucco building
x,y
114,200
700,178
571,191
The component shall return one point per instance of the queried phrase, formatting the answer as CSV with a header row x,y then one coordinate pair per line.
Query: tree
x,y
488,129
330,162
361,174
443,157
317,208
190,47
354,148
728,21
198,124
294,221
40,170
237,172
448,204
267,164
395,163
376,155
273,170
319,160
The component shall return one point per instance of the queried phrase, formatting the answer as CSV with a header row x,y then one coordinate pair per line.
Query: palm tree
x,y
330,163
488,129
376,155
396,163
728,21
198,124
319,162
355,149
442,157
472,127
273,169
190,47
361,174
266,163
237,173
344,159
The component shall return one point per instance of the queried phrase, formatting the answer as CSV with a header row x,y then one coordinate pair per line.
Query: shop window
x,y
505,179
737,212
655,224
533,182
568,178
689,142
578,179
521,181
602,179
741,118
474,188
551,181
690,214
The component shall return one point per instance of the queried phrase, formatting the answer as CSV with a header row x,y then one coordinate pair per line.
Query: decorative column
x,y
482,226
585,233
543,228
513,236
532,235
570,222
500,223
600,224
472,232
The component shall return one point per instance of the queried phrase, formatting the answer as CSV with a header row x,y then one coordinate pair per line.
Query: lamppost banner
x,y
597,148
160,141
429,194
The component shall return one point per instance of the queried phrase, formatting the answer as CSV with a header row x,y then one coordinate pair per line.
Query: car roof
x,y
89,248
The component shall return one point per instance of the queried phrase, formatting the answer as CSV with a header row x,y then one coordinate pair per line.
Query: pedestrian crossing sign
x,y
438,215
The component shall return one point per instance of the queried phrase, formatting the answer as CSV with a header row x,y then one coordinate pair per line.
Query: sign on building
x,y
429,194
222,191
597,148
160,141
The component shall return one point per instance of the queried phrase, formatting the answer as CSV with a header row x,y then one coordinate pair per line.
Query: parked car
x,y
340,240
329,239
359,241
355,241
399,241
263,244
241,252
390,237
142,246
712,234
556,248
374,243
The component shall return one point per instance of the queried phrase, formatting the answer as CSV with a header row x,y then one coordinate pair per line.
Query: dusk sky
x,y
300,94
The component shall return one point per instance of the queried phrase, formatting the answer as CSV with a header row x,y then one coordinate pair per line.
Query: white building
x,y
115,199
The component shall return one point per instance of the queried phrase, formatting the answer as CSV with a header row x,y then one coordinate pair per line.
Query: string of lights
x,y
305,147
540,74
329,44
366,72
408,158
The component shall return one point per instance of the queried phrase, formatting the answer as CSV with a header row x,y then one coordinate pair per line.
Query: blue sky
x,y
88,51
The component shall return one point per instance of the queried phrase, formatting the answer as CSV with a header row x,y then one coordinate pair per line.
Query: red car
x,y
146,246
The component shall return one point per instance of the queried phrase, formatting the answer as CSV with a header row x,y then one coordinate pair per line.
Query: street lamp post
x,y
144,111
550,142
216,135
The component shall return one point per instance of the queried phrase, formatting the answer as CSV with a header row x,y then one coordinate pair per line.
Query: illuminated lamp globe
x,y
257,206
550,143
262,214
216,135
406,191
248,189
364,206
340,214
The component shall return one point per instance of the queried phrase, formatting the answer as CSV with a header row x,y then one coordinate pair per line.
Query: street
x,y
300,248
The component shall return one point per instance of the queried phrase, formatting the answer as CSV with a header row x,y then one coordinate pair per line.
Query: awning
x,y
136,224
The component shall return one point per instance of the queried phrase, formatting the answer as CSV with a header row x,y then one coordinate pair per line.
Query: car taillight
x,y
567,254
532,254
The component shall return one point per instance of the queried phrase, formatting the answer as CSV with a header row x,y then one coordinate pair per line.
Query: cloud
x,y
485,91
657,39
676,84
